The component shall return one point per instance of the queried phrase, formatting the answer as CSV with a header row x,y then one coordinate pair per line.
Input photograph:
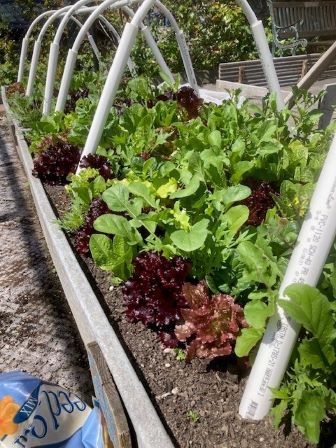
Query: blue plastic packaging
x,y
34,413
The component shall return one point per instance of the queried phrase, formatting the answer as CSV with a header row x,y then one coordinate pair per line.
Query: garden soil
x,y
209,392
37,333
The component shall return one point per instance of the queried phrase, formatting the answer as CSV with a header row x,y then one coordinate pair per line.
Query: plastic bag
x,y
34,413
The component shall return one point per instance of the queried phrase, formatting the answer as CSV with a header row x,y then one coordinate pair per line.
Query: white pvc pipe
x,y
182,45
33,67
113,79
49,87
305,266
110,88
25,41
66,80
156,52
70,66
94,47
89,38
152,45
23,56
69,69
265,55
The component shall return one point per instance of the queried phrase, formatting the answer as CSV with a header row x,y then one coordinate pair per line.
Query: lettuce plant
x,y
56,163
153,294
211,324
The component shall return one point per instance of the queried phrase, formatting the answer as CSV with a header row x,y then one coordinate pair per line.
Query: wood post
x,y
109,399
314,73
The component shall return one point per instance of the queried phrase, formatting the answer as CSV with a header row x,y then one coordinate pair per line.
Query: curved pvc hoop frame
x,y
54,53
38,44
73,52
25,43
265,54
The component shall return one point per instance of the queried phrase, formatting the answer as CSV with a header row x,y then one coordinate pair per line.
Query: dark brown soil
x,y
212,390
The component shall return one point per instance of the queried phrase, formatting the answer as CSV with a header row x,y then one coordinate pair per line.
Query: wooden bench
x,y
300,21
290,70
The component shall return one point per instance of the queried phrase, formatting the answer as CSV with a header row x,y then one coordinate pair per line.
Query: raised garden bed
x,y
197,401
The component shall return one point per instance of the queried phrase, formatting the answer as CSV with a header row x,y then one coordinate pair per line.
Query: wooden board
x,y
109,400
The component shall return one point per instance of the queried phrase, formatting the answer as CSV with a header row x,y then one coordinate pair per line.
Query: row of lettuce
x,y
195,208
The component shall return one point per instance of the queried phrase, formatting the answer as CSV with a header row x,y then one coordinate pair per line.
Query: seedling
x,y
180,354
194,416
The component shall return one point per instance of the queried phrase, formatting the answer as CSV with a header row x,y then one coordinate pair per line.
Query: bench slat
x,y
289,70
311,19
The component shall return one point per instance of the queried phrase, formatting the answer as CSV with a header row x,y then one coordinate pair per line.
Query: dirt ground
x,y
37,333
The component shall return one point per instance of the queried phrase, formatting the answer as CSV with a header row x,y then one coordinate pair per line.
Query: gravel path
x,y
37,333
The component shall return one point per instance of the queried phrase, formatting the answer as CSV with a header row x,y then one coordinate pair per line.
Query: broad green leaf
x,y
117,198
259,267
114,256
236,193
145,221
117,225
311,354
247,340
281,394
122,266
190,189
215,139
134,208
278,411
181,217
239,169
101,248
237,150
99,186
310,308
236,217
84,194
308,412
257,312
189,241
166,189
140,189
